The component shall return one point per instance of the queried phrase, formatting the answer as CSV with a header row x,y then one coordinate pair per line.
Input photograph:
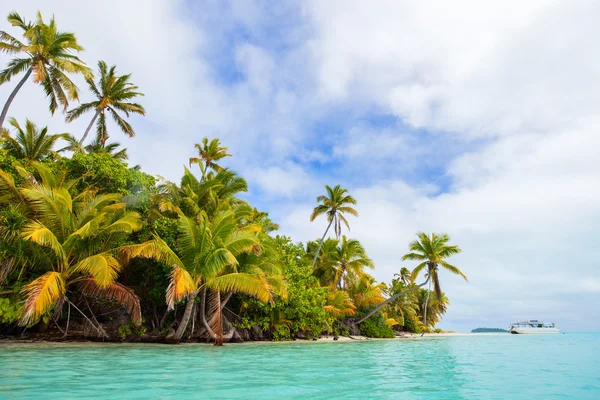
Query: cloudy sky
x,y
481,120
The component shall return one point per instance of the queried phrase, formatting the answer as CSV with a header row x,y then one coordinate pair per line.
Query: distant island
x,y
488,330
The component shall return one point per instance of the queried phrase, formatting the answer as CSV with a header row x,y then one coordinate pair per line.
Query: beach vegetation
x,y
93,247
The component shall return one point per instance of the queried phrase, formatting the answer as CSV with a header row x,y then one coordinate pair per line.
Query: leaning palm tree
x,y
335,204
47,54
432,250
81,238
113,93
205,258
31,144
208,154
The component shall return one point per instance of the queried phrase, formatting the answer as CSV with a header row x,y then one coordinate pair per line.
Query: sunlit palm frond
x,y
181,284
40,295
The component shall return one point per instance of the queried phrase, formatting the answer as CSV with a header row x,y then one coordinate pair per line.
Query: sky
x,y
481,121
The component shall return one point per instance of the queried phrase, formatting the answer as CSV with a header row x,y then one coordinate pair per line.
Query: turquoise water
x,y
473,367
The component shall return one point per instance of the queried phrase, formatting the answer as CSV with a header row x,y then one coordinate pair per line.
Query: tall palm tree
x,y
346,261
432,250
113,93
81,240
208,154
205,258
47,54
335,204
31,144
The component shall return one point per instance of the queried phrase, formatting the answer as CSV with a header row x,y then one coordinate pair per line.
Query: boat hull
x,y
534,331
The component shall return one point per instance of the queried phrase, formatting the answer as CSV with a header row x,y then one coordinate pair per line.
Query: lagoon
x,y
454,367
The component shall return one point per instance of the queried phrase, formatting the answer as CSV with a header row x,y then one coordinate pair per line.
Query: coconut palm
x,y
80,238
365,291
406,305
205,258
432,250
45,53
404,276
208,154
31,144
216,191
347,260
107,148
96,147
335,204
434,307
113,94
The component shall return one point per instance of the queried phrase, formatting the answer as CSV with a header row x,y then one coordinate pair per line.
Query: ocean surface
x,y
565,366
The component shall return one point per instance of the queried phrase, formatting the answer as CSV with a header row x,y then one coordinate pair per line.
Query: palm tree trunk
x,y
426,305
321,244
391,299
12,97
186,316
205,324
88,128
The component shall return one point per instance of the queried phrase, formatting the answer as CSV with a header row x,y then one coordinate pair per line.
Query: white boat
x,y
532,326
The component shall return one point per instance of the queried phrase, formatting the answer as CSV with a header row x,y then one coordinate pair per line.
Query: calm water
x,y
483,366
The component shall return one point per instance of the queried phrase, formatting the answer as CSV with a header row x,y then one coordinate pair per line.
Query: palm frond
x,y
115,292
40,295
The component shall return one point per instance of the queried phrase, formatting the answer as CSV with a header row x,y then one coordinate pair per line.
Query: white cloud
x,y
481,68
284,180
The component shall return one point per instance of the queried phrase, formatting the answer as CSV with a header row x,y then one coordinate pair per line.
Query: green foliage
x,y
303,310
10,310
375,327
108,175
131,331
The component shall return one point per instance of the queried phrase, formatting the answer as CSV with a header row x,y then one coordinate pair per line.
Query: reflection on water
x,y
435,368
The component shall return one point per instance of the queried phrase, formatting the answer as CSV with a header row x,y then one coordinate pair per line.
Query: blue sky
x,y
478,120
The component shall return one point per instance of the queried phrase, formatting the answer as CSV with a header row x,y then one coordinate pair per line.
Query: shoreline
x,y
324,339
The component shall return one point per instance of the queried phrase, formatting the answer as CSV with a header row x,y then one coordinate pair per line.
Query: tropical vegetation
x,y
92,247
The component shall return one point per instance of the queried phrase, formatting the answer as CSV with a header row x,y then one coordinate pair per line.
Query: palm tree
x,y
209,153
81,240
335,204
31,144
345,261
96,147
404,276
435,307
432,251
48,55
365,291
113,95
107,148
205,258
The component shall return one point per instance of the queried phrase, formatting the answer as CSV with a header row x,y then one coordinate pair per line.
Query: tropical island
x,y
94,248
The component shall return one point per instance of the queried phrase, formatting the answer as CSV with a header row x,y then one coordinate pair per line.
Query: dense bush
x,y
375,327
